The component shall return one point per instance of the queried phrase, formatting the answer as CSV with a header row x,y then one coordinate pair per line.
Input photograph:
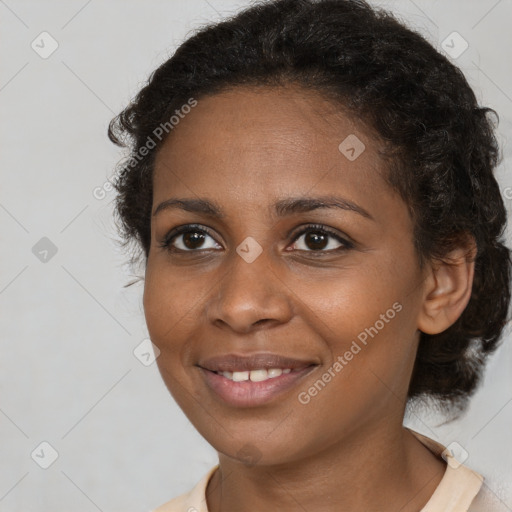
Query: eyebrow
x,y
282,207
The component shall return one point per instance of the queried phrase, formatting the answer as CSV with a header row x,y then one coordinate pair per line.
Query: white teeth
x,y
240,376
259,375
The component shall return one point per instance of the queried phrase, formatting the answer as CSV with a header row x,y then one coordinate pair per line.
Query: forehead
x,y
266,141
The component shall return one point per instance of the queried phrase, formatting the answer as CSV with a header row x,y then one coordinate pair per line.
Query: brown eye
x,y
193,239
189,238
316,241
320,239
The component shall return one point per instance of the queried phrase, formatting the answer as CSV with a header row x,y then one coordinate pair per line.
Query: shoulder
x,y
459,484
461,488
487,500
191,501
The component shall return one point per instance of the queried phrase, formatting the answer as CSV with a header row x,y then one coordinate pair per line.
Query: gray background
x,y
68,373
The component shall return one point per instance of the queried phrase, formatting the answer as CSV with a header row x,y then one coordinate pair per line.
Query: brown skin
x,y
346,449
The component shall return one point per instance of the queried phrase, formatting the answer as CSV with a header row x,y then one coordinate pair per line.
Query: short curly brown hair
x,y
441,155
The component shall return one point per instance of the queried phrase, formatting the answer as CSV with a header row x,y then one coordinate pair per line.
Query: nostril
x,y
262,320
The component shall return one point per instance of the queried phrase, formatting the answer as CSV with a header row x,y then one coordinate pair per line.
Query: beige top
x,y
460,489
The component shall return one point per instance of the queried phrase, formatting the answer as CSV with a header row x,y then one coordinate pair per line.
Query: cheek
x,y
365,317
346,302
168,309
167,306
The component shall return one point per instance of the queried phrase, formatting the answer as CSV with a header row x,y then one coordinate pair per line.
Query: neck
x,y
387,470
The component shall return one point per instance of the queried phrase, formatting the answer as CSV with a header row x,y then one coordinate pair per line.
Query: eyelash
x,y
312,228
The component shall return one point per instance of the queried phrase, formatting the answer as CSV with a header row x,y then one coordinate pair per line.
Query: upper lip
x,y
236,363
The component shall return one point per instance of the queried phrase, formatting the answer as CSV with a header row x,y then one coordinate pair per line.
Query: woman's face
x,y
267,272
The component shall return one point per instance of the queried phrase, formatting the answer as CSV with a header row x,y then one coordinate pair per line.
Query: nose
x,y
250,296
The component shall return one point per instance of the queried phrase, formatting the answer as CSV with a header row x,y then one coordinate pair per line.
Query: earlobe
x,y
447,289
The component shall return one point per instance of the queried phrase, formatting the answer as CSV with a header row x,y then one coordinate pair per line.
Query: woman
x,y
311,192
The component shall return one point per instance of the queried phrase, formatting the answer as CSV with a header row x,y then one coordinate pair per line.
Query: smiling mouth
x,y
239,363
255,375
251,380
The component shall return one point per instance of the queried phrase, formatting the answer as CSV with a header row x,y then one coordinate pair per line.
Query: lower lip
x,y
248,393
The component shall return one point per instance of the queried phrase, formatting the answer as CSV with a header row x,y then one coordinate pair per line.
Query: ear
x,y
448,288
